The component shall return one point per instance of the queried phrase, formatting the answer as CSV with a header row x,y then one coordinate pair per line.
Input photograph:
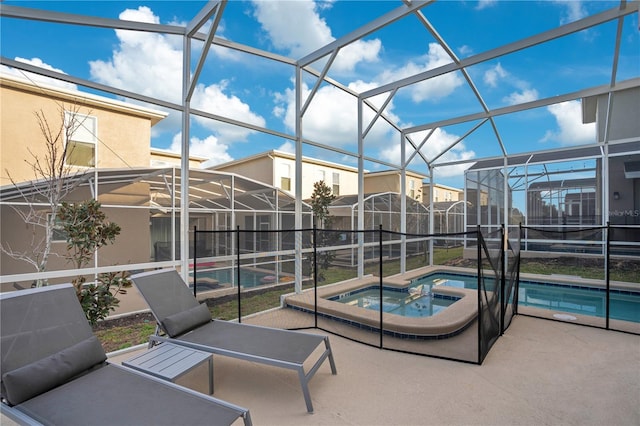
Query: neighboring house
x,y
139,187
441,193
277,168
114,135
390,181
165,158
568,186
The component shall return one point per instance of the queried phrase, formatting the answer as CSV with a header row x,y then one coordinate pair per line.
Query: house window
x,y
412,189
320,176
81,145
435,195
58,234
285,178
336,184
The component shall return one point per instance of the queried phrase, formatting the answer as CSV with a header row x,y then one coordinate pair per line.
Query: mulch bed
x,y
124,321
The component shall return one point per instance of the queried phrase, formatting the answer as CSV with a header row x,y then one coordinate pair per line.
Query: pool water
x,y
248,278
624,305
396,302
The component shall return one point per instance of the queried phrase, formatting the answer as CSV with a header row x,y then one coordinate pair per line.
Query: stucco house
x,y
110,135
139,187
277,168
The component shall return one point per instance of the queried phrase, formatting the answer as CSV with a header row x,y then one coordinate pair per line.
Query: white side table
x,y
168,361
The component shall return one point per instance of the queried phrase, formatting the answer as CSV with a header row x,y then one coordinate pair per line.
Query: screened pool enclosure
x,y
145,203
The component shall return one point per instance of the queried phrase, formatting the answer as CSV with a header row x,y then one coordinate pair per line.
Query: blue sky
x,y
254,90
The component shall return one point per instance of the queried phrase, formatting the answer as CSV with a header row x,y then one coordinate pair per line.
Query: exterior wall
x,y
131,246
272,166
347,182
442,193
21,237
133,243
390,182
162,158
259,168
123,135
624,119
625,210
123,141
381,183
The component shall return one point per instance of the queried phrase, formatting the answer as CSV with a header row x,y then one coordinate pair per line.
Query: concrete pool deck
x,y
539,373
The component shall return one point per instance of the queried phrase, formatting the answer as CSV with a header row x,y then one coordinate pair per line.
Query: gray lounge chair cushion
x,y
184,321
40,376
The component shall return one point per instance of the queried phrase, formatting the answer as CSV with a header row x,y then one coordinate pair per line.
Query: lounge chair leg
x,y
305,390
331,361
211,375
153,342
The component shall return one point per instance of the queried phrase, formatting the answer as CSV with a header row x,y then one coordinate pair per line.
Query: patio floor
x,y
539,373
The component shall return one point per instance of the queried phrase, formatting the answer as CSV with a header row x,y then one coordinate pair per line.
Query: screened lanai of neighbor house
x,y
535,123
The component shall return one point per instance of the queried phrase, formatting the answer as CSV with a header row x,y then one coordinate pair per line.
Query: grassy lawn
x,y
125,336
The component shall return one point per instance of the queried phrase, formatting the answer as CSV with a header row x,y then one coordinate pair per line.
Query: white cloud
x,y
213,99
210,148
331,118
571,130
438,142
296,28
222,53
523,96
37,78
146,63
497,76
483,4
356,52
574,10
465,50
456,171
288,146
293,26
434,88
160,76
492,75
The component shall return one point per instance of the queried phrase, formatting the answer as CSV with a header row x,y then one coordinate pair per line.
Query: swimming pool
x,y
578,299
408,314
396,301
248,277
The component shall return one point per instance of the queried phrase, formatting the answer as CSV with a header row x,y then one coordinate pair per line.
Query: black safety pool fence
x,y
351,286
594,271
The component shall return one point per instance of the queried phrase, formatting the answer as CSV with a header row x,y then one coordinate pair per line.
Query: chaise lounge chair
x,y
54,372
187,322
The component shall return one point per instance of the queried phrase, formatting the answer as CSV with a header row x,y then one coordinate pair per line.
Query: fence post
x,y
503,304
479,291
517,290
315,274
195,259
238,271
380,271
607,259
